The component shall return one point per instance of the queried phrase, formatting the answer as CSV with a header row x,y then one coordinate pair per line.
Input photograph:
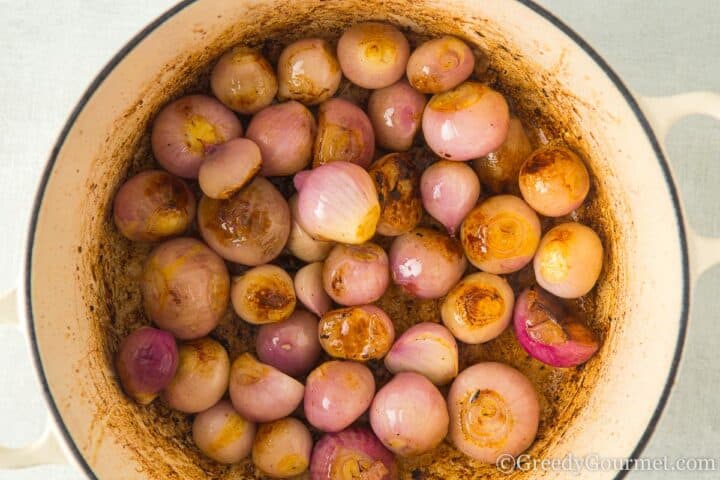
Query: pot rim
x,y
26,273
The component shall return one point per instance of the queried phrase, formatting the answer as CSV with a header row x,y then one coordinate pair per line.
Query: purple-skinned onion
x,y
262,393
356,333
344,134
309,289
466,122
338,202
428,349
549,333
291,346
356,274
397,181
308,72
153,205
282,448
426,263
449,191
285,134
354,453
337,393
146,363
223,434
440,64
300,243
229,167
243,80
185,129
395,113
263,294
500,168
409,415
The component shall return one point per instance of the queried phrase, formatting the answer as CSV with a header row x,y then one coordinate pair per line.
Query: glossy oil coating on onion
x,y
355,453
285,134
262,393
549,333
229,167
479,308
395,113
309,289
554,181
466,122
569,260
337,202
356,274
291,346
185,129
250,228
440,64
426,263
500,168
344,134
185,288
501,234
308,71
337,393
243,80
282,448
373,55
409,415
428,349
449,191
494,410
146,363
263,294
153,205
300,243
356,333
201,378
397,181
223,434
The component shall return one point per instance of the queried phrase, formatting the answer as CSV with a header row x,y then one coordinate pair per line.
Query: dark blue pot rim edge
x,y
140,36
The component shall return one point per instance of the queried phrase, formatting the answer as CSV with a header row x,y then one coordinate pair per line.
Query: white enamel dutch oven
x,y
62,303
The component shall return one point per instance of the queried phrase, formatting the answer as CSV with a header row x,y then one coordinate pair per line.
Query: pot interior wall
x,y
153,442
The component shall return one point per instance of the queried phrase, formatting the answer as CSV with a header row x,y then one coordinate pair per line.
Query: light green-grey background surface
x,y
51,50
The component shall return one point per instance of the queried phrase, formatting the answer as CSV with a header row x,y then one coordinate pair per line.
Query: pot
x,y
77,294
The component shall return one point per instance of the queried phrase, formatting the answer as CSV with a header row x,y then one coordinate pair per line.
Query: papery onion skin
x,y
243,80
356,333
554,181
153,205
229,167
373,55
428,349
308,71
338,202
185,288
466,122
185,128
350,454
264,294
344,134
569,260
146,363
501,234
337,393
282,448
503,401
479,308
285,134
223,434
440,64
309,289
291,346
409,415
500,168
201,378
356,274
395,113
251,227
449,191
548,333
261,393
300,243
426,263
397,181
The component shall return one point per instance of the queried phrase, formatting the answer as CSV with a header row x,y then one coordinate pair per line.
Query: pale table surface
x,y
52,49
